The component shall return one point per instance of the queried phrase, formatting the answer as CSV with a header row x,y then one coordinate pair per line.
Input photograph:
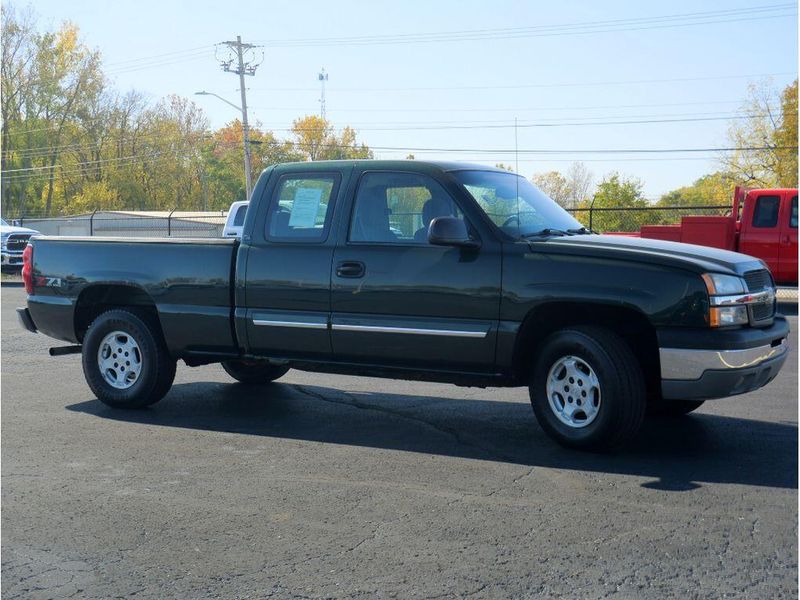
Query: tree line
x,y
72,143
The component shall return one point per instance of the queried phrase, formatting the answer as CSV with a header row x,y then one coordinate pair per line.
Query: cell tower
x,y
323,77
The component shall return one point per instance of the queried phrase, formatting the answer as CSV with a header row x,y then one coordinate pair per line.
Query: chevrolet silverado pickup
x,y
417,270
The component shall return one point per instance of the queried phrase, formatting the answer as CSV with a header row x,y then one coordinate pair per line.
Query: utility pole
x,y
323,77
242,68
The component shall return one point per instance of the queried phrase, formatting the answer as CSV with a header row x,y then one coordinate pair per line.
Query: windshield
x,y
514,204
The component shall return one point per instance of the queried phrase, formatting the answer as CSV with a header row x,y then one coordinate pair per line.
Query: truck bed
x,y
188,280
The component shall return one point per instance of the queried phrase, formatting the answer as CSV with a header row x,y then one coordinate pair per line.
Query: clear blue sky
x,y
614,72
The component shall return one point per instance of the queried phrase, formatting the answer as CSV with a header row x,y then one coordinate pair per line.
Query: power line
x,y
593,151
459,150
161,56
546,125
42,151
491,87
577,28
157,64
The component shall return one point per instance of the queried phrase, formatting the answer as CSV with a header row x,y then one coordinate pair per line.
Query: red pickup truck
x,y
762,223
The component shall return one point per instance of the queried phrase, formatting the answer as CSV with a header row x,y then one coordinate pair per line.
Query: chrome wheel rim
x,y
119,360
573,392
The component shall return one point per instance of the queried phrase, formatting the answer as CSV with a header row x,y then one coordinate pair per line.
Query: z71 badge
x,y
48,281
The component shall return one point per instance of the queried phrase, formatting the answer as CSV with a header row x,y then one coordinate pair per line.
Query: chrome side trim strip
x,y
411,330
767,295
300,324
686,364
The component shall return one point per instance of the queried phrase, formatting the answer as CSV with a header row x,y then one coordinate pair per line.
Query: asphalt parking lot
x,y
325,486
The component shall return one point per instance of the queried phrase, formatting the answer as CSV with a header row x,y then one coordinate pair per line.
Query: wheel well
x,y
630,324
97,299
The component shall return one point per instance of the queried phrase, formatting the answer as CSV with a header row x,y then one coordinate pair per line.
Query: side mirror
x,y
450,231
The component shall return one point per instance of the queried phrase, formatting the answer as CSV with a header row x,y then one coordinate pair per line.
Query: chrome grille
x,y
758,280
763,310
16,242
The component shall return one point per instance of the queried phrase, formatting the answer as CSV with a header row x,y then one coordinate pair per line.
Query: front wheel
x,y
252,372
125,360
587,388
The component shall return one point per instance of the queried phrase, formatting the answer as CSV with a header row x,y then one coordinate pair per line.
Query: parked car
x,y
235,220
12,242
484,281
761,223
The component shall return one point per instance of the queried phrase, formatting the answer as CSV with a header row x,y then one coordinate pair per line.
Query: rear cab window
x,y
301,207
238,219
793,213
765,213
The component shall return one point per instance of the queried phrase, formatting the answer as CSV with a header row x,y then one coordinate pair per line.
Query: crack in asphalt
x,y
449,431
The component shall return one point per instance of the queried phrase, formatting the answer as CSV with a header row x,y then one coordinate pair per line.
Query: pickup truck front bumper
x,y
11,259
705,364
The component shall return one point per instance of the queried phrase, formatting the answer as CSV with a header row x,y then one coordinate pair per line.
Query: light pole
x,y
246,132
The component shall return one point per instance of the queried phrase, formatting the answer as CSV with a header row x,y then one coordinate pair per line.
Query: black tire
x,y
253,373
673,408
157,370
621,400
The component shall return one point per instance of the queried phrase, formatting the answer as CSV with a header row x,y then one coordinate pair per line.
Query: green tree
x,y
224,160
786,138
68,75
771,126
569,190
555,185
709,190
616,191
316,139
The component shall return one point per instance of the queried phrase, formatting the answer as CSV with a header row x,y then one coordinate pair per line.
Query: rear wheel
x,y
587,389
253,372
125,360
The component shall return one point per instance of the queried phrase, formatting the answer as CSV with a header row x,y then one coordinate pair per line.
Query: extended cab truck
x,y
418,270
762,223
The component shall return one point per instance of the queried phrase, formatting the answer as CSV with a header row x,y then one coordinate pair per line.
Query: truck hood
x,y
9,229
691,257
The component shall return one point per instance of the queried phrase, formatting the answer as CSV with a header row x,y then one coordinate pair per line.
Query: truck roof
x,y
414,164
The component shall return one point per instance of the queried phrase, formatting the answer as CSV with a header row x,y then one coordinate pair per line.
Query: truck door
x,y
395,298
787,259
287,290
760,234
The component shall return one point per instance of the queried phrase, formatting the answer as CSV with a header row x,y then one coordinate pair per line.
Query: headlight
x,y
722,285
725,285
723,316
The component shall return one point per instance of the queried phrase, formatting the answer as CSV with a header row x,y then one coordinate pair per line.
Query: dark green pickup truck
x,y
417,270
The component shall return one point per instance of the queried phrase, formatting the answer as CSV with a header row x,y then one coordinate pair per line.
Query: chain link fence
x,y
631,220
210,224
130,224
